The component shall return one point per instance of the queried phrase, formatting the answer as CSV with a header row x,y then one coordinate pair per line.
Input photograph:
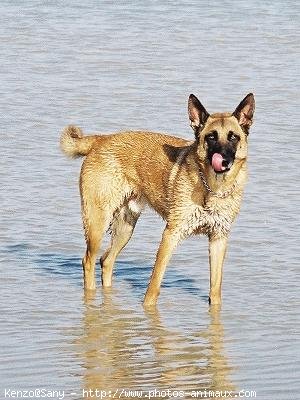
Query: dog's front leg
x,y
168,243
217,252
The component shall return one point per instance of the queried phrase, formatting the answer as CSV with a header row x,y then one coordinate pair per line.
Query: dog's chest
x,y
213,218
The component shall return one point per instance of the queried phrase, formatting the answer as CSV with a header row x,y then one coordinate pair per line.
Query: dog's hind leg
x,y
122,229
95,226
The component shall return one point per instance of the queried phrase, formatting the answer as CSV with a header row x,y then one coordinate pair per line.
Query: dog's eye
x,y
212,136
233,137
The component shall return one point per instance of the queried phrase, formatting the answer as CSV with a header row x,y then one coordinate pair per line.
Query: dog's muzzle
x,y
220,163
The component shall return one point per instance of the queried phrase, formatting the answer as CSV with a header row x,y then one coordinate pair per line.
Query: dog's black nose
x,y
227,164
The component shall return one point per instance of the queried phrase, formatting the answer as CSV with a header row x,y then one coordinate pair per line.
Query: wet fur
x,y
123,172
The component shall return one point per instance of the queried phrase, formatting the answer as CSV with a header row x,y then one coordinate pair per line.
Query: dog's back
x,y
126,164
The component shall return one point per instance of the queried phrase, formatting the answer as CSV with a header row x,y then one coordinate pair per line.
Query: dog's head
x,y
221,137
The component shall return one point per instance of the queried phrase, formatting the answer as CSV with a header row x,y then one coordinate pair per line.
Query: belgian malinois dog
x,y
196,186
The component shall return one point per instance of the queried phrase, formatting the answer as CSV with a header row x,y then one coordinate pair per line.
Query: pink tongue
x,y
217,160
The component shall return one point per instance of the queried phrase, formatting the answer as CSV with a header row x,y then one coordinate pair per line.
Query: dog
x,y
195,186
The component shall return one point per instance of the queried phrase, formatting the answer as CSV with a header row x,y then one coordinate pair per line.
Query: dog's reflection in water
x,y
124,348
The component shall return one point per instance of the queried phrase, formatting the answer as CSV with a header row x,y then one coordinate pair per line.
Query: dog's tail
x,y
74,144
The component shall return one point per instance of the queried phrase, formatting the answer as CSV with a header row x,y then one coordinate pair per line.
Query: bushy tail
x,y
73,143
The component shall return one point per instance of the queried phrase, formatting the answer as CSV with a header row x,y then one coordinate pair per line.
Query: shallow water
x,y
109,67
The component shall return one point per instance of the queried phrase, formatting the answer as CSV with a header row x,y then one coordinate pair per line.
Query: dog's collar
x,y
220,195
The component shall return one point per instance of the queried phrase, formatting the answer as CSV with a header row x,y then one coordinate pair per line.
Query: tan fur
x,y
123,172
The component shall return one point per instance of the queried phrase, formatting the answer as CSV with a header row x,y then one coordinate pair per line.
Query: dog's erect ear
x,y
245,110
197,113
